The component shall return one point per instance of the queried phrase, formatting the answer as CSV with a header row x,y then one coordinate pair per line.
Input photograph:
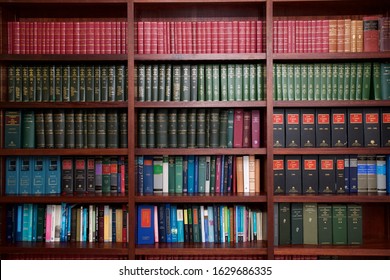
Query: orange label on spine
x,y
386,118
323,118
293,164
340,164
338,118
327,164
310,164
146,215
278,118
308,118
355,118
372,118
278,164
293,118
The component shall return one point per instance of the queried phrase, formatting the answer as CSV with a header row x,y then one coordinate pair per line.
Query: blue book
x,y
39,175
211,222
25,175
53,175
223,158
168,227
27,222
34,222
254,218
196,175
346,174
140,174
113,225
145,224
206,224
11,223
85,223
19,223
174,223
64,222
148,175
185,174
12,175
353,174
388,174
162,235
180,225
230,174
191,174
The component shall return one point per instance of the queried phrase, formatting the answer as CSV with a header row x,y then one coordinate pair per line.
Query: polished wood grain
x,y
201,104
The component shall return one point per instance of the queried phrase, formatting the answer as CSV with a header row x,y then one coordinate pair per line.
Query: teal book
x,y
178,174
39,175
12,175
174,229
25,175
180,225
202,174
216,82
53,175
13,129
27,222
191,174
385,80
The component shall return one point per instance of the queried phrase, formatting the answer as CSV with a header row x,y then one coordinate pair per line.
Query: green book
x,y
103,83
111,80
57,83
90,83
335,80
339,219
224,82
297,82
141,82
208,82
328,81
178,174
201,82
168,82
161,128
155,78
52,83
261,81
32,83
11,83
304,82
91,128
148,82
325,224
284,224
214,128
40,130
385,81
347,80
238,82
310,227
354,224
202,174
112,126
141,128
69,129
196,227
18,83
82,83
59,128
194,83
245,82
97,83
79,128
123,130
185,83
317,81
191,128
324,84
359,81
310,81
172,128
38,83
182,128
150,129
106,175
66,83
216,83
296,223
13,129
212,173
49,129
231,73
277,88
25,83
74,83
376,80
230,128
171,174
201,128
120,83
352,84
366,80
28,129
207,128
283,94
340,81
252,83
223,124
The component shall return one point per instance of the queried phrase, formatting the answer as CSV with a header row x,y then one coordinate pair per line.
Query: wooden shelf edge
x,y
331,103
201,151
331,56
201,104
331,151
352,250
64,152
63,105
47,199
352,198
200,57
201,198
198,1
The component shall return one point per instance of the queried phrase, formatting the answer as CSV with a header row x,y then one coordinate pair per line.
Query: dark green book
x,y
52,83
112,127
40,130
161,82
70,129
59,128
310,81
214,128
284,82
111,80
185,83
310,226
224,82
85,133
106,175
123,130
182,128
28,129
91,128
168,82
141,131
196,227
297,82
120,83
75,83
101,130
32,83
201,82
296,223
290,82
201,128
335,79
202,174
325,224
49,129
359,81
328,81
252,83
212,173
231,82
13,129
97,83
176,82
238,81
18,83
278,82
324,84
339,219
155,79
150,129
352,84
172,128
178,174
347,80
317,81
194,82
161,128
66,83
103,83
376,80
171,174
304,82
38,84
82,83
284,224
11,83
245,82
25,84
79,128
366,80
141,82
354,224
191,128
385,80
340,81
223,127
208,82
90,83
261,81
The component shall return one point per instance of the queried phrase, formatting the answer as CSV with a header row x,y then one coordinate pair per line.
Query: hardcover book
x,y
145,224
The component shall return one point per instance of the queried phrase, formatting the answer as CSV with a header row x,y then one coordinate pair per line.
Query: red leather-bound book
x,y
179,37
252,44
153,37
384,30
160,37
305,36
76,37
371,33
221,36
241,36
198,36
311,36
172,33
325,35
214,36
108,46
285,35
59,37
203,48
187,27
167,43
238,125
39,36
22,37
140,37
114,41
96,37
69,41
90,37
235,37
83,37
124,37
259,36
229,37
15,27
147,37
275,36
194,37
208,34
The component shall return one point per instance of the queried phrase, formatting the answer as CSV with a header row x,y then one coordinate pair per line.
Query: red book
x,y
317,42
200,37
305,36
124,37
241,37
172,37
108,43
160,37
290,41
285,35
187,34
57,34
340,35
113,39
69,41
15,38
22,37
218,166
166,37
384,30
96,37
90,37
147,37
255,128
275,36
40,41
153,37
194,37
140,38
235,47
83,37
311,36
371,33
246,141
50,38
208,36
10,37
44,35
325,35
252,44
214,36
179,37
229,37
121,44
125,219
221,36
279,36
298,37
34,36
259,36
238,125
28,37
76,37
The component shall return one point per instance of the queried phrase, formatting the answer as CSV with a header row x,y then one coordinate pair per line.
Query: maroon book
x,y
214,36
221,36
246,141
384,34
241,37
325,36
229,37
188,37
235,48
90,38
172,39
371,33
255,128
160,37
179,37
69,42
76,37
153,37
238,128
259,36
147,37
208,36
108,44
252,44
83,37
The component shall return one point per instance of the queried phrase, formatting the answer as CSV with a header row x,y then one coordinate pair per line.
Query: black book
x,y
355,127
339,127
59,128
323,128
371,127
385,129
279,128
293,129
308,128
69,129
326,174
310,174
80,175
293,175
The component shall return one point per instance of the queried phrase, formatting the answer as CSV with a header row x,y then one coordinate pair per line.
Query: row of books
x,y
341,34
39,175
200,82
70,37
67,223
172,223
331,127
332,81
198,128
67,83
66,128
188,37
330,174
198,174
323,224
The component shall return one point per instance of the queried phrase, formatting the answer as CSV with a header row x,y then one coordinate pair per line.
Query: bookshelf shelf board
x,y
63,105
336,198
368,249
331,56
331,151
201,104
201,198
247,248
200,57
201,151
66,1
63,57
198,1
331,103
63,152
61,248
51,199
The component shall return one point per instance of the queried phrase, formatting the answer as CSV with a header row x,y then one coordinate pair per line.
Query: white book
x,y
157,174
58,221
91,218
165,174
207,185
246,173
202,222
155,223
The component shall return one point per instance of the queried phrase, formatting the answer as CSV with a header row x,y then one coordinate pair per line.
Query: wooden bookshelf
x,y
376,207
